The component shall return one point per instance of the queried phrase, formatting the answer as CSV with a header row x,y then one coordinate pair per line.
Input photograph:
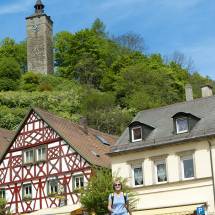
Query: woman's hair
x,y
117,180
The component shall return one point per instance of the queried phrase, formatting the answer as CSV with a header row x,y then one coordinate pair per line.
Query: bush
x,y
29,81
3,209
6,84
9,68
94,197
14,105
10,74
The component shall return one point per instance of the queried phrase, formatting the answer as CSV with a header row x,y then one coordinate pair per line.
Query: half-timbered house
x,y
47,159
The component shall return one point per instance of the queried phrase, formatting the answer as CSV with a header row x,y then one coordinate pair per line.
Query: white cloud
x,y
19,6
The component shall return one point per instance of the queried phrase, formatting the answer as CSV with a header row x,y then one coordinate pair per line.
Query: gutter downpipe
x,y
212,170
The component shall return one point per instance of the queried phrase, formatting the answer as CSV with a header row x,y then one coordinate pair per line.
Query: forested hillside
x,y
106,79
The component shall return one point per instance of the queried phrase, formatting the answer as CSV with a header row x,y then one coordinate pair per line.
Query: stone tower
x,y
40,41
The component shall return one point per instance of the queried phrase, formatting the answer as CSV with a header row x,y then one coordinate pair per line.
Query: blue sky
x,y
186,26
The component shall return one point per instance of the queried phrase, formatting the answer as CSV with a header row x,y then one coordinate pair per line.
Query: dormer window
x,y
139,131
184,122
136,133
182,125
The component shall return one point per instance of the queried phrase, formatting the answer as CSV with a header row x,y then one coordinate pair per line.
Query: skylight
x,y
102,140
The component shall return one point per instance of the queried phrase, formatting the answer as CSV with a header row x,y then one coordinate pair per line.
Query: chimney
x,y
189,92
207,90
84,124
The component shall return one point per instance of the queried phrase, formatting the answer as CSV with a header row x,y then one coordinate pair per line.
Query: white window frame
x,y
187,157
24,195
176,125
2,193
132,134
25,157
156,163
74,181
56,184
133,179
37,154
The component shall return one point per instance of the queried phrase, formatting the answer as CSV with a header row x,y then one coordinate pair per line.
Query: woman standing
x,y
118,201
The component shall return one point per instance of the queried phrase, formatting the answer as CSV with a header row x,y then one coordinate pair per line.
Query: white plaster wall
x,y
176,191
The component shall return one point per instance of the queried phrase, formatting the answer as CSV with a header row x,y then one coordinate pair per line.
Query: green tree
x,y
10,74
3,208
196,80
99,27
103,114
154,82
29,81
18,51
84,56
95,196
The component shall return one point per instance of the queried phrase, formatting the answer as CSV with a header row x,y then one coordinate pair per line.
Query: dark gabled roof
x,y
5,138
87,144
161,119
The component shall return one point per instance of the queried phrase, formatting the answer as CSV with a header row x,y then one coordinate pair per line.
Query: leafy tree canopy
x,y
106,79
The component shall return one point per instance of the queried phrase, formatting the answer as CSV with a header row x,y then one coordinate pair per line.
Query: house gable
x,y
62,163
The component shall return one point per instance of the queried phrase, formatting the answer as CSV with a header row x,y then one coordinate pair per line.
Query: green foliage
x,y
10,74
119,78
9,68
3,208
196,80
98,27
30,81
94,196
17,51
14,105
103,114
84,56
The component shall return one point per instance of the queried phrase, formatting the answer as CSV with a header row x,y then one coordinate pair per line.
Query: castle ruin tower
x,y
40,41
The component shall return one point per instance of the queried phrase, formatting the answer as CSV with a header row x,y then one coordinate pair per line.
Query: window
x,y
78,181
29,156
160,171
137,175
52,187
187,167
2,193
41,154
136,134
27,191
181,125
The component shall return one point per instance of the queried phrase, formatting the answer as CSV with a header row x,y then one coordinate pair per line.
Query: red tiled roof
x,y
86,143
5,139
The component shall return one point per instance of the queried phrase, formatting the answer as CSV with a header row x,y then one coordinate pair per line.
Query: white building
x,y
168,156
